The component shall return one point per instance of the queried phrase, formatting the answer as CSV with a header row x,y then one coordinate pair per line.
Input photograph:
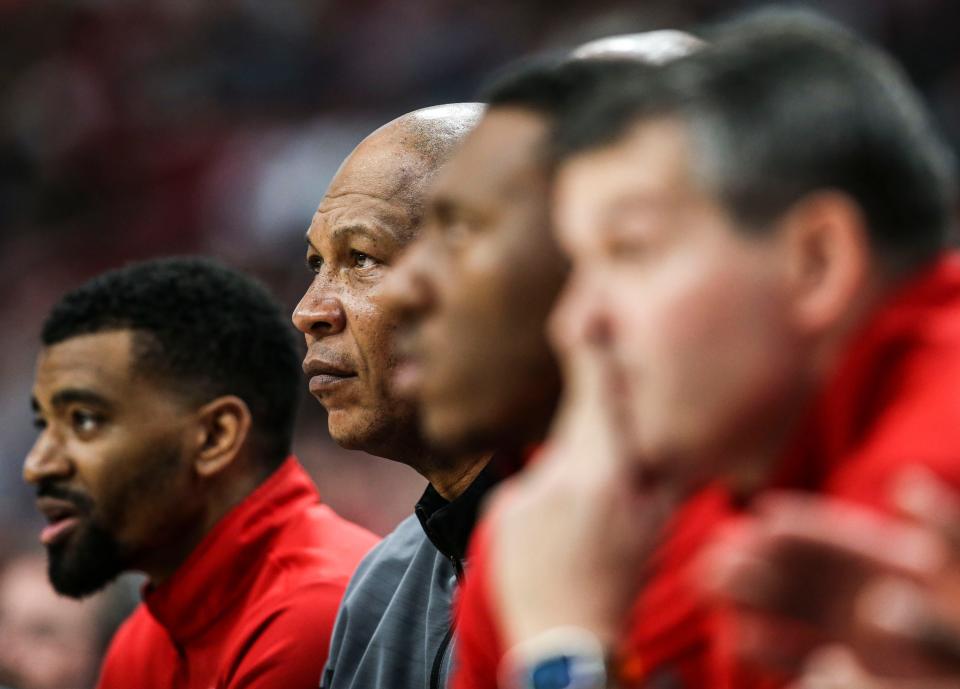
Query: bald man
x,y
394,626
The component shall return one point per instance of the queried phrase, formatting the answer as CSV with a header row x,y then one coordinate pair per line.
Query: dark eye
x,y
314,263
362,260
39,423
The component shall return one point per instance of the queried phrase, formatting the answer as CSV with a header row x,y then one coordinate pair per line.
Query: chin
x,y
455,433
84,565
378,435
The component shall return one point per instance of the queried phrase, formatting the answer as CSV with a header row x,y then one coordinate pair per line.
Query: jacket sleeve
x,y
479,646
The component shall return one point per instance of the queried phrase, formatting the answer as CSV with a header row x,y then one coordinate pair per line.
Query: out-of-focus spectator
x,y
48,641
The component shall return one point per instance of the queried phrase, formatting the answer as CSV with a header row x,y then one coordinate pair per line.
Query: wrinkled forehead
x,y
382,184
390,170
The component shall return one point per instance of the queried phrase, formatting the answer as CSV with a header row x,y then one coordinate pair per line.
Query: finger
x,y
590,427
839,527
835,667
904,609
922,496
731,566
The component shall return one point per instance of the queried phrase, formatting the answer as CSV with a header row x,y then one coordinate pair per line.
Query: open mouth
x,y
62,516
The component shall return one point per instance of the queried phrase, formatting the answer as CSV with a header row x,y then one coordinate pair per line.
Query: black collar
x,y
448,524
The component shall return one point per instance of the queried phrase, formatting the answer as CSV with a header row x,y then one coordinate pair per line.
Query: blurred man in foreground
x,y
165,397
46,641
477,285
394,626
475,289
760,297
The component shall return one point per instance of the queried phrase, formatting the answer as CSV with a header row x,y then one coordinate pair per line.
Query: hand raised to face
x,y
571,535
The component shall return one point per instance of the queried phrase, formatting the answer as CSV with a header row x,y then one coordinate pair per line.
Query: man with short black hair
x,y
165,396
476,286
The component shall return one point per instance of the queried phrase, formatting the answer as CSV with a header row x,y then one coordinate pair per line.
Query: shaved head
x,y
653,47
434,132
369,214
397,161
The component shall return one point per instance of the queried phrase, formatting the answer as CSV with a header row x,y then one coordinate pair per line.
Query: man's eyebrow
x,y
78,395
370,231
375,232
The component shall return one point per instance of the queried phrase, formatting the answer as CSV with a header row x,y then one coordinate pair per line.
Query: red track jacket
x,y
254,604
893,401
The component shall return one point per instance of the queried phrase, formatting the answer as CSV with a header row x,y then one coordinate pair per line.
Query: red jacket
x,y
253,605
893,401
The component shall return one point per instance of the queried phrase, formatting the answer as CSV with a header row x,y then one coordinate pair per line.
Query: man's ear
x,y
828,258
222,429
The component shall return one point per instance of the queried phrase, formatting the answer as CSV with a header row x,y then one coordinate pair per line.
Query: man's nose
x,y
46,460
580,314
319,314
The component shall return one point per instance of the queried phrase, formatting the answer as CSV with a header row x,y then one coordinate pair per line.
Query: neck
x,y
223,494
753,466
452,478
449,474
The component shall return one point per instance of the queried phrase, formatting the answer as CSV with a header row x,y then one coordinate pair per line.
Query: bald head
x,y
434,132
651,47
364,222
397,161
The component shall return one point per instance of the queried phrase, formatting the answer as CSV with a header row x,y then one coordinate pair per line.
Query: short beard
x,y
85,563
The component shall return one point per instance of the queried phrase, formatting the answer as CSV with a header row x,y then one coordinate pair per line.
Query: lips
x,y
327,374
63,517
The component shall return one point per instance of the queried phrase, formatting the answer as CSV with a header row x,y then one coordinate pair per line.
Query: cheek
x,y
373,322
472,304
138,480
716,341
683,319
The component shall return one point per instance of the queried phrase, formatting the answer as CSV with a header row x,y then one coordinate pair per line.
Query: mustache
x,y
82,501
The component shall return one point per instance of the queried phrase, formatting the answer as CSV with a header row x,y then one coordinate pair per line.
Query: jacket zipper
x,y
445,643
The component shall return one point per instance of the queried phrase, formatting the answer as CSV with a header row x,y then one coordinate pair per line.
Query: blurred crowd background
x,y
135,128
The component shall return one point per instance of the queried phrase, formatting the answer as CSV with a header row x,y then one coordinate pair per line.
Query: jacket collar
x,y
448,524
924,311
222,567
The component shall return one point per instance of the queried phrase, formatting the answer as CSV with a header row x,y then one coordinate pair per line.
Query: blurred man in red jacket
x,y
760,297
165,396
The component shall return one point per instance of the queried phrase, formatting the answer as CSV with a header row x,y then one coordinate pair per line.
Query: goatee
x,y
85,562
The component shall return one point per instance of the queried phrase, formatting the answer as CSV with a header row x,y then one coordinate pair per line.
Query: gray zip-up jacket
x,y
394,629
